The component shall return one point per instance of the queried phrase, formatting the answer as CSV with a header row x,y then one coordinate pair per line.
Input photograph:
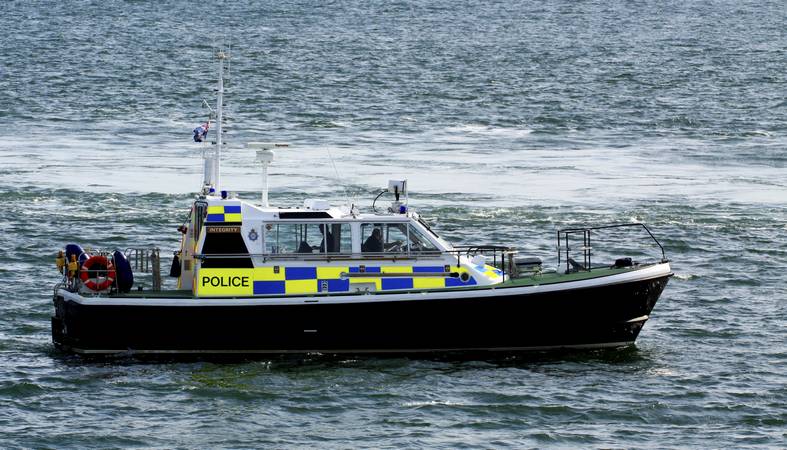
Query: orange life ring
x,y
102,277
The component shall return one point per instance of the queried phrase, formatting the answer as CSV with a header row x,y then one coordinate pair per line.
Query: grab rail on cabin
x,y
328,257
587,249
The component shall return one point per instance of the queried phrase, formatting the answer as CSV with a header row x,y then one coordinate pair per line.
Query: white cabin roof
x,y
250,211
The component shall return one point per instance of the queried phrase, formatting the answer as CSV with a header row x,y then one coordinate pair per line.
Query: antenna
x,y
338,178
207,105
265,156
229,62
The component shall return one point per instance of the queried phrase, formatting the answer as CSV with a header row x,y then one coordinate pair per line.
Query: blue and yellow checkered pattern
x,y
313,280
302,280
490,271
224,213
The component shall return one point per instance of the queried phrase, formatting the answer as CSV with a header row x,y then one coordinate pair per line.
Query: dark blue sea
x,y
510,119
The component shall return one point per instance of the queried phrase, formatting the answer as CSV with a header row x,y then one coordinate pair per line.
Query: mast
x,y
212,168
221,56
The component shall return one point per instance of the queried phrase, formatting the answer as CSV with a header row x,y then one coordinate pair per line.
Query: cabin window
x,y
419,242
220,246
305,238
393,238
340,238
198,214
384,237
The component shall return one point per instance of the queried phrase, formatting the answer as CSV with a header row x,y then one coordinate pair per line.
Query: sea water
x,y
509,120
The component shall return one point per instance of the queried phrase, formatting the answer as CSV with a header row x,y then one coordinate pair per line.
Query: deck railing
x,y
142,261
585,235
502,256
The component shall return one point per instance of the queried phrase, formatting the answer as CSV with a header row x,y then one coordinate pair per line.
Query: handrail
x,y
503,250
469,248
586,232
320,256
398,274
142,260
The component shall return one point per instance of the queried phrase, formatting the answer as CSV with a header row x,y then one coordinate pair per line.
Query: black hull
x,y
603,316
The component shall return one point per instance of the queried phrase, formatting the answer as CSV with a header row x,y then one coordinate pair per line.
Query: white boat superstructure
x,y
235,248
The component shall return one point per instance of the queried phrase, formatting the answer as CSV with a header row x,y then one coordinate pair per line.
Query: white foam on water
x,y
476,132
501,172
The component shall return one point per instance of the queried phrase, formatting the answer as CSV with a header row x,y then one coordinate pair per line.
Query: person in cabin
x,y
327,237
304,247
375,244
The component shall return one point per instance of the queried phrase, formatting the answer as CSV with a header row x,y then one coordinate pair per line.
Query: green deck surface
x,y
551,278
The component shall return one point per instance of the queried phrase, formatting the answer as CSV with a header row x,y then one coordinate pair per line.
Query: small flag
x,y
201,132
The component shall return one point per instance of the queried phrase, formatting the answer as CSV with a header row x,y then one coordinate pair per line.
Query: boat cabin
x,y
232,248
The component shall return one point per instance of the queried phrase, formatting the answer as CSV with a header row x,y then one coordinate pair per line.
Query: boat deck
x,y
534,279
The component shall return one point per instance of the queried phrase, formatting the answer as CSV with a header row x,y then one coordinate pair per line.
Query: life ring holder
x,y
97,282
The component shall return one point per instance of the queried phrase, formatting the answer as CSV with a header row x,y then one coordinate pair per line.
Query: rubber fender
x,y
174,270
125,277
76,249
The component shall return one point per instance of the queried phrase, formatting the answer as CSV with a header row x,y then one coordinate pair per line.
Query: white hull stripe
x,y
655,271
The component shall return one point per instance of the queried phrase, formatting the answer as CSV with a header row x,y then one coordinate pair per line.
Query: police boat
x,y
258,279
